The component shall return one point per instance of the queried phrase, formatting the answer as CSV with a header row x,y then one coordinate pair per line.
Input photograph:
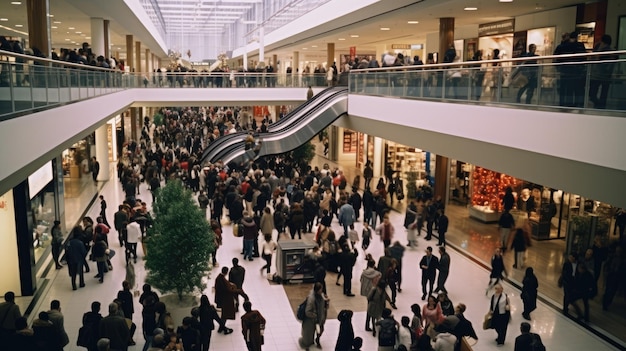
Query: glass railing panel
x,y
582,83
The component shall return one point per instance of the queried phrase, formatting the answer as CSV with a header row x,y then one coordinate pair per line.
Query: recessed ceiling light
x,y
19,25
67,39
354,36
57,22
16,2
49,15
87,37
384,28
506,0
82,35
78,32
413,22
341,39
470,8
313,46
54,27
71,28
3,19
76,43
303,48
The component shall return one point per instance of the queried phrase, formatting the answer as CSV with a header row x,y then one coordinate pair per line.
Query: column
x,y
379,159
24,231
138,57
98,37
261,46
148,64
107,39
39,25
102,152
245,57
442,176
330,55
446,35
130,53
134,112
295,68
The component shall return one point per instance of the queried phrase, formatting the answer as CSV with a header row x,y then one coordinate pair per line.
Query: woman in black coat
x,y
346,332
529,292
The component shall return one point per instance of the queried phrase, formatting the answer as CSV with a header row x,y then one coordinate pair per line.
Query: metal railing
x,y
567,82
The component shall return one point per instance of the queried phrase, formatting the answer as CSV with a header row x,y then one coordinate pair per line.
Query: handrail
x,y
56,62
463,64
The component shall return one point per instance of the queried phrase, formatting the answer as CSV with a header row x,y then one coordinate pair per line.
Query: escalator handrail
x,y
218,144
218,147
276,136
295,121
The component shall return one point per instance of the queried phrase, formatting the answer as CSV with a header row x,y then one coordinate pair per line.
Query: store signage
x,y
494,28
38,180
401,46
417,46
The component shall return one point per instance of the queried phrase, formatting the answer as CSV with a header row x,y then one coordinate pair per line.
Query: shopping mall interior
x,y
457,125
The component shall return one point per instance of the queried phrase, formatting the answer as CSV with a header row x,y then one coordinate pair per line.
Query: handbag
x,y
487,321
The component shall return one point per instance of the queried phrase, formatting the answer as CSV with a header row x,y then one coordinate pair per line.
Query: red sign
x,y
352,52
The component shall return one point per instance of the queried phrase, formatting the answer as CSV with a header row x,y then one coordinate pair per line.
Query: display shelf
x,y
483,215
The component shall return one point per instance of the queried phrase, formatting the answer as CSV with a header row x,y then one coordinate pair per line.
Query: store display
x,y
488,189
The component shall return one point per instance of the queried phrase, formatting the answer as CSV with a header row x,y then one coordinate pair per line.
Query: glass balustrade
x,y
590,82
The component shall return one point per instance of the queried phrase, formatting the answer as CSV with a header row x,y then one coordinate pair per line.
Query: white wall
x,y
8,246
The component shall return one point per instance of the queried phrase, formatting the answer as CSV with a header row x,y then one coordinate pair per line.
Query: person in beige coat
x,y
267,222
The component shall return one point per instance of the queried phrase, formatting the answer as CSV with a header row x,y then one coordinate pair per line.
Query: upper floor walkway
x,y
435,107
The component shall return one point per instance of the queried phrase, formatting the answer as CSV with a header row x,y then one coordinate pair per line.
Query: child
x,y
353,236
357,344
367,236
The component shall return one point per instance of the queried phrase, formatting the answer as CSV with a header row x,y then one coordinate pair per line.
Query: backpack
x,y
387,332
301,313
536,344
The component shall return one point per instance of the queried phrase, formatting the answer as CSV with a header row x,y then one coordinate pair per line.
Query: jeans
x,y
247,249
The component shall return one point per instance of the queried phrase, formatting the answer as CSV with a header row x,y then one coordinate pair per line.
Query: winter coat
x,y
225,293
376,302
267,223
369,280
315,314
251,324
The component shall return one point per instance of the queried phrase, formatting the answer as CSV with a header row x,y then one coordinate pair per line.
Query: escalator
x,y
298,127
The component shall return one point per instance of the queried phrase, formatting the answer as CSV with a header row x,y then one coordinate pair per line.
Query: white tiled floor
x,y
466,284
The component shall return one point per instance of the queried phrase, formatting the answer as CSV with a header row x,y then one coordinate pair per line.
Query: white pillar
x,y
295,64
97,36
261,45
245,57
379,159
102,152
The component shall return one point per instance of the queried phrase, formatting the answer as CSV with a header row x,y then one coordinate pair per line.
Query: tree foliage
x,y
180,242
304,153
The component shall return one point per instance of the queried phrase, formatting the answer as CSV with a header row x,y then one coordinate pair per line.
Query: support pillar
x,y
130,53
138,57
446,35
245,57
378,163
98,36
134,113
102,152
39,25
261,45
295,68
24,227
107,39
442,176
330,52
275,62
148,63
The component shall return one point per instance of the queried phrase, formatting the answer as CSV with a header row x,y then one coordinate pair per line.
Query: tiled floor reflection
x,y
466,284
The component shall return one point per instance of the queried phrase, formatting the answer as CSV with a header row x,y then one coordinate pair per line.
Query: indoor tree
x,y
180,242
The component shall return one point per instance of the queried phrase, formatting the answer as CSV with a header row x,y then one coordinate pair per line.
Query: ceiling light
x,y
16,2
384,28
412,22
57,22
19,25
303,48
354,36
506,0
54,27
67,39
87,37
71,28
341,39
49,15
470,8
82,35
313,46
78,32
3,19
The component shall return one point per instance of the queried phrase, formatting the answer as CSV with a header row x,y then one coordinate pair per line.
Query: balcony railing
x,y
571,83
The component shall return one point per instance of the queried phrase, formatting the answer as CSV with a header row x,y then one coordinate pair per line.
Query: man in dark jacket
x,y
75,253
428,264
237,275
250,233
91,321
347,259
368,205
114,328
355,201
443,227
525,340
120,219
